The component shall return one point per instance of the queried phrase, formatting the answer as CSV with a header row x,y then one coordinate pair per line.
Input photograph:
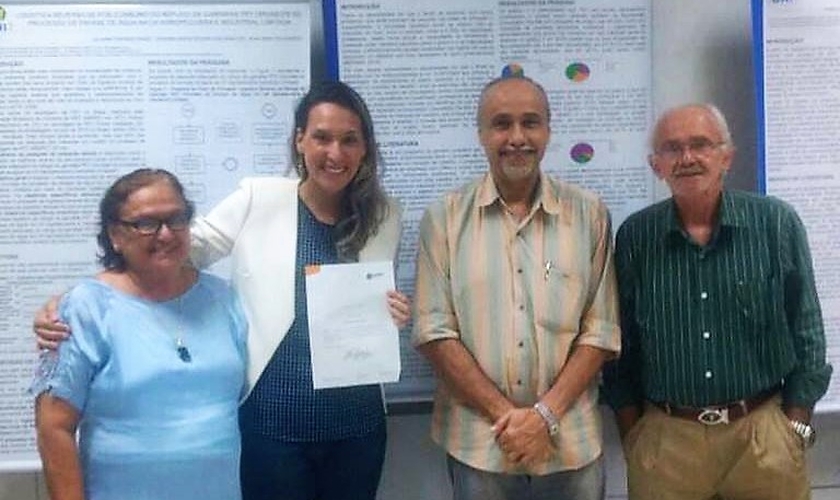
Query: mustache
x,y
523,149
688,170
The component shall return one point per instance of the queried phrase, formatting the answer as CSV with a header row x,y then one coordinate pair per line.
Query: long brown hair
x,y
363,205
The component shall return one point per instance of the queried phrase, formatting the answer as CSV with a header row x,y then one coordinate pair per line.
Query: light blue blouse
x,y
153,426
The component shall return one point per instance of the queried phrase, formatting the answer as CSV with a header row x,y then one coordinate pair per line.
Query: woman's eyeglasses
x,y
149,226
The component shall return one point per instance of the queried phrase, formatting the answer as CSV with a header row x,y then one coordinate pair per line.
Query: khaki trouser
x,y
757,457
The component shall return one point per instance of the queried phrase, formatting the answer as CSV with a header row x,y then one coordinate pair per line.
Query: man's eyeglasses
x,y
148,226
672,151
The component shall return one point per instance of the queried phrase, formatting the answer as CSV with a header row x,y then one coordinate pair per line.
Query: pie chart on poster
x,y
513,70
582,153
577,72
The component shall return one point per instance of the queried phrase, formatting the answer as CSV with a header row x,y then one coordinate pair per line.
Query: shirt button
x,y
708,374
706,335
521,343
519,271
518,382
704,295
521,308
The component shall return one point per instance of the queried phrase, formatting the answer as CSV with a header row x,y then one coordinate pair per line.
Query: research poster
x,y
420,66
799,50
89,92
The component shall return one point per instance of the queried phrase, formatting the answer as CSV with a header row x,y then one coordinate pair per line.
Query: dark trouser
x,y
348,469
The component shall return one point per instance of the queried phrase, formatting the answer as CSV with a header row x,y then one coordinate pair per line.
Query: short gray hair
x,y
716,114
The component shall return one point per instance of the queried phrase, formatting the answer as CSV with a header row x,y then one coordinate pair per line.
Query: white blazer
x,y
257,227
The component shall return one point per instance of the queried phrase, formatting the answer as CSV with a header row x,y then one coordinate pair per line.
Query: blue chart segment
x,y
513,69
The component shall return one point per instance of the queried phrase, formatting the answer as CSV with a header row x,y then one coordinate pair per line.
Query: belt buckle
x,y
714,416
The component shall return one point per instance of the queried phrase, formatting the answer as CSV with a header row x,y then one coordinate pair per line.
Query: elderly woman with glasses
x,y
152,375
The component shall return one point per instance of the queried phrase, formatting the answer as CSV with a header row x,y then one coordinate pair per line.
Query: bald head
x,y
497,84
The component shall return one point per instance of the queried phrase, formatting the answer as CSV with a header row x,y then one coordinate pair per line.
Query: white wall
x,y
702,52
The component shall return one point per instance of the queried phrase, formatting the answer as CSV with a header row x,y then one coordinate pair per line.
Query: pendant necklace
x,y
183,352
162,309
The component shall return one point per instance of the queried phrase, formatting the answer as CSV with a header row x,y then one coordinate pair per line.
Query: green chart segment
x,y
577,72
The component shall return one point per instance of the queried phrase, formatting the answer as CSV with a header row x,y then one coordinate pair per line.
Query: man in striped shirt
x,y
723,345
516,308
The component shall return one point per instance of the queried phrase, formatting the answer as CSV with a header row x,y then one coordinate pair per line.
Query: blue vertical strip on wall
x,y
758,64
331,39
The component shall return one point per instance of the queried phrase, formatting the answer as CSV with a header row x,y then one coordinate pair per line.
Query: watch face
x,y
805,432
810,438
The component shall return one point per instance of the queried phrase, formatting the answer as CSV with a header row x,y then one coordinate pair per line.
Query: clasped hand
x,y
523,437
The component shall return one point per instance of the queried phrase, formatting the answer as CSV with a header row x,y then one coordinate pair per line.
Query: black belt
x,y
719,414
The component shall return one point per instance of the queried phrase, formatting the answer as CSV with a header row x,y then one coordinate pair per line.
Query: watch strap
x,y
805,432
548,416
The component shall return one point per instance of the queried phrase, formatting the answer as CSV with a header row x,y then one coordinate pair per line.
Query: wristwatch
x,y
550,420
805,432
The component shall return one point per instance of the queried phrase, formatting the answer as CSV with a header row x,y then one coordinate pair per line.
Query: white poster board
x,y
798,79
90,92
420,66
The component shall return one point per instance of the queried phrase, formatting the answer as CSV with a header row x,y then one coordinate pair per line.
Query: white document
x,y
352,338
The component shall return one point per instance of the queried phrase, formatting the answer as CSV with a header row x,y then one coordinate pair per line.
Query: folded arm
x,y
520,432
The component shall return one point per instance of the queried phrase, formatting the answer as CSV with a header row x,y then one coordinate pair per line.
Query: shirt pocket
x,y
565,296
755,298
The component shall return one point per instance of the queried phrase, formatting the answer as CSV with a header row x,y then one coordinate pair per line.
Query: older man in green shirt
x,y
722,334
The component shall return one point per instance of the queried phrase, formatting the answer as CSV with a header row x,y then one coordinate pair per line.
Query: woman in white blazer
x,y
299,443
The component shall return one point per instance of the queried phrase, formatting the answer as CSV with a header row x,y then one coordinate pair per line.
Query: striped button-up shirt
x,y
520,296
711,324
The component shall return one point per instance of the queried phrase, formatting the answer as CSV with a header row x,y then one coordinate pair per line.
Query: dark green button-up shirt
x,y
711,324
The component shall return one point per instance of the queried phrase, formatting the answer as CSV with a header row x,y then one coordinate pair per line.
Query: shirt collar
x,y
546,198
730,216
